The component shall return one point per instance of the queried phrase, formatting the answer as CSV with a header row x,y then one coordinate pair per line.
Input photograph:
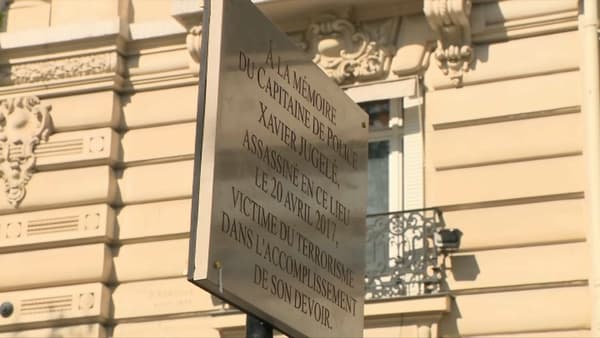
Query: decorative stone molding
x,y
86,301
24,123
64,304
449,19
93,223
193,42
72,149
348,52
58,69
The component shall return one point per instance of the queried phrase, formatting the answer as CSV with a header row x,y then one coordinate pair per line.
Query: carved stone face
x,y
332,36
330,46
23,123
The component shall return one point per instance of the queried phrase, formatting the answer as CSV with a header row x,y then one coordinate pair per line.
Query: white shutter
x,y
413,155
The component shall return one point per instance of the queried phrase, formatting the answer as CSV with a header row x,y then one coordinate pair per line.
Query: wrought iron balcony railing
x,y
402,259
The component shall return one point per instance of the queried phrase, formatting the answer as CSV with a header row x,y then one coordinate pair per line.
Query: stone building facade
x,y
478,109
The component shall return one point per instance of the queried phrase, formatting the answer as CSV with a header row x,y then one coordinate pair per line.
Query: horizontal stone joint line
x,y
509,117
508,161
66,228
41,227
42,224
149,239
520,287
511,201
59,150
520,246
468,82
57,303
159,160
62,153
53,219
52,144
166,316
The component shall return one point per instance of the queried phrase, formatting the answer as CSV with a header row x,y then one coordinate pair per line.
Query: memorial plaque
x,y
279,201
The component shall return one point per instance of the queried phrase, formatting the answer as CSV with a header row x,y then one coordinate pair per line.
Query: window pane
x,y
378,177
379,113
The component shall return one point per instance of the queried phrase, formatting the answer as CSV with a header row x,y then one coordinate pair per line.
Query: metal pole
x,y
255,328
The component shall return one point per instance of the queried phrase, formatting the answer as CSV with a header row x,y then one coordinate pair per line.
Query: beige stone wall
x,y
504,160
100,240
98,246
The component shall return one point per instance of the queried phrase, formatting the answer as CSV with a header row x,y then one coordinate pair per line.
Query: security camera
x,y
447,240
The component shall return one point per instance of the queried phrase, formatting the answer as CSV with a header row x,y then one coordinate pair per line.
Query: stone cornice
x,y
111,29
51,74
294,15
57,69
386,47
504,20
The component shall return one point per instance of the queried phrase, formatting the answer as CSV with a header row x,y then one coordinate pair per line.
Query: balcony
x,y
401,258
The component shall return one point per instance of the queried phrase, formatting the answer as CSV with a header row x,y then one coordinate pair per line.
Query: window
x,y
395,183
385,155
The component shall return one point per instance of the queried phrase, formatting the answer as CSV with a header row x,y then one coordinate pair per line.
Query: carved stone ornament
x,y
349,53
449,19
24,123
58,69
193,42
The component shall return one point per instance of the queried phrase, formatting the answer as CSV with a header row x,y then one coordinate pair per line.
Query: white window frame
x,y
393,135
406,161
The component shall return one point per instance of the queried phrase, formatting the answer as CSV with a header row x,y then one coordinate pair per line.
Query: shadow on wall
x,y
24,9
462,268
3,14
493,16
61,332
448,326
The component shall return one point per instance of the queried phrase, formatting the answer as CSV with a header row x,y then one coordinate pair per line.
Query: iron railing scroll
x,y
401,258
